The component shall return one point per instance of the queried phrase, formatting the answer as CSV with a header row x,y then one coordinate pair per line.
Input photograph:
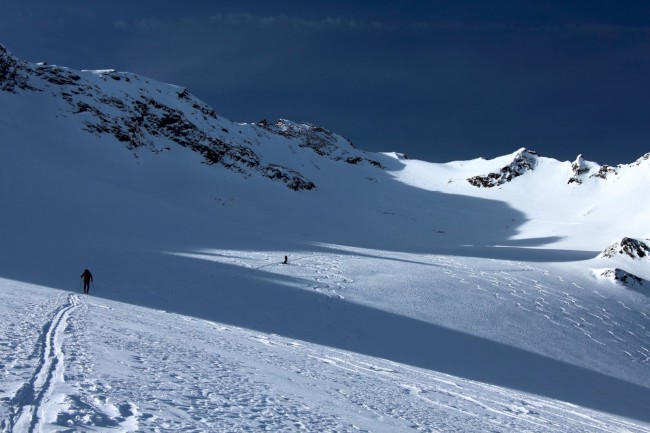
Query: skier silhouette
x,y
286,260
88,277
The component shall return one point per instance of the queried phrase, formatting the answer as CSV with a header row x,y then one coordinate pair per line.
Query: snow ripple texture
x,y
98,365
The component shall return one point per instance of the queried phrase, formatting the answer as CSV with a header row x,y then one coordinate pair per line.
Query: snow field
x,y
412,300
125,368
590,318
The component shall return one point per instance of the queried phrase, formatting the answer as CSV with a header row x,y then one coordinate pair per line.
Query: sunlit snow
x,y
411,300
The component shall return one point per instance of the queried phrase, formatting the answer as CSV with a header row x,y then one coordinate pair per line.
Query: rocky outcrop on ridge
x,y
628,247
630,250
582,170
11,78
623,278
145,115
524,160
319,140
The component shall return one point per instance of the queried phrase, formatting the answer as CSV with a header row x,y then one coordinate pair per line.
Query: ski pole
x,y
94,290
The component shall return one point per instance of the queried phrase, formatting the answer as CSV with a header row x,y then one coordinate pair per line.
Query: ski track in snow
x,y
42,396
35,400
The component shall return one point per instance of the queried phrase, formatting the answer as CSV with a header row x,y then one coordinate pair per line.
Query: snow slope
x,y
105,366
414,300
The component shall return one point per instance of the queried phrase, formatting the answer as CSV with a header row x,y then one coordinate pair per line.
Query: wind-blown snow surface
x,y
87,364
412,300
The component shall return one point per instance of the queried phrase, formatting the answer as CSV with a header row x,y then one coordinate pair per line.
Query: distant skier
x,y
286,260
88,277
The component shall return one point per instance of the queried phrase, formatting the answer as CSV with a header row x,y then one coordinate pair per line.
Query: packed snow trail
x,y
42,397
35,400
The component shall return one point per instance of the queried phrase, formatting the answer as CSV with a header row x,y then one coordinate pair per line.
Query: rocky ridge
x,y
525,161
582,170
629,247
626,252
145,115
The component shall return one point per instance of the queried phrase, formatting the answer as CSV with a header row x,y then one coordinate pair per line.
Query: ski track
x,y
43,399
34,401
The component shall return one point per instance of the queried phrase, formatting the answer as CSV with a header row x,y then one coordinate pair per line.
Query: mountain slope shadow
x,y
393,216
271,303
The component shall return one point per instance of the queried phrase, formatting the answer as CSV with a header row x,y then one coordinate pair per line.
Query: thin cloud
x,y
246,19
500,26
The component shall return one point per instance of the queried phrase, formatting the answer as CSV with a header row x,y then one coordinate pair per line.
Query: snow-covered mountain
x,y
150,116
418,296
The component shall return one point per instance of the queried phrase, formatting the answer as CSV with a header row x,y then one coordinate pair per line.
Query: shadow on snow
x,y
271,303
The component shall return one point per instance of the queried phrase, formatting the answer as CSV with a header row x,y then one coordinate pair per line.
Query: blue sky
x,y
438,80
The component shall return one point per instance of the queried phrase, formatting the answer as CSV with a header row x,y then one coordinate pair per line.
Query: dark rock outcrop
x,y
320,140
12,76
579,168
525,160
628,247
623,277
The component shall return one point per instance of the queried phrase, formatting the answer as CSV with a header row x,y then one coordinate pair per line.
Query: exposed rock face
x,y
146,115
622,277
11,79
629,247
318,139
605,171
525,160
578,168
583,170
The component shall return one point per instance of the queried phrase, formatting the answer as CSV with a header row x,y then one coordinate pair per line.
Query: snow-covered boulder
x,y
627,247
524,160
